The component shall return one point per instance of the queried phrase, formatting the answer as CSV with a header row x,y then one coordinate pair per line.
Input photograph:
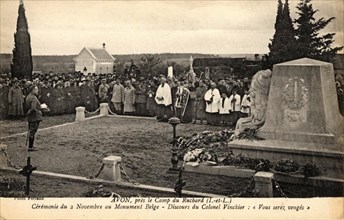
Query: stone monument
x,y
302,120
303,106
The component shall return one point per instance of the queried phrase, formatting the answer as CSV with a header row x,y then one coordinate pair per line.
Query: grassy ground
x,y
43,187
143,144
10,127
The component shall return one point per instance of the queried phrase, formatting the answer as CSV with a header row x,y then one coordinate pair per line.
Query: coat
x,y
118,94
141,97
34,113
4,102
129,99
200,92
69,100
102,92
88,98
151,104
58,101
15,101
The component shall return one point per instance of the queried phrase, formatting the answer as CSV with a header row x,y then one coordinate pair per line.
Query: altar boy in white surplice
x,y
235,107
224,108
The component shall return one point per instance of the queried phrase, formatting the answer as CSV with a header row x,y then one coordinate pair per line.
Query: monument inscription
x,y
295,100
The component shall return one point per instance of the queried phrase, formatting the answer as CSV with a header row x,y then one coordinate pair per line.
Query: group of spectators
x,y
130,95
222,101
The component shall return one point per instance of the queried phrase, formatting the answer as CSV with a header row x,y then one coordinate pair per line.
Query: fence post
x,y
263,184
80,113
112,170
104,109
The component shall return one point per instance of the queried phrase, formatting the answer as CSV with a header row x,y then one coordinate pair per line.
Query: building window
x,y
107,69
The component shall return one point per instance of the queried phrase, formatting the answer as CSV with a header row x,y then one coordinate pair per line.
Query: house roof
x,y
99,54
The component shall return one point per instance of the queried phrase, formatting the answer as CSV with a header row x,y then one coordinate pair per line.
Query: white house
x,y
94,60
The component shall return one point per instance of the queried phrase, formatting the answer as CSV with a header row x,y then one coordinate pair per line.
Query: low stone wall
x,y
331,161
318,181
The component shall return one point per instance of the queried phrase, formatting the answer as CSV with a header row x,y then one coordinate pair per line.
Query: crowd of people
x,y
129,95
191,99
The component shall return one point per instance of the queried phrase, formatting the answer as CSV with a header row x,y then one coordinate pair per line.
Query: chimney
x,y
104,45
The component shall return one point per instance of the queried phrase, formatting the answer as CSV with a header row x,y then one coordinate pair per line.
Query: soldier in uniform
x,y
15,100
103,91
129,99
34,115
118,96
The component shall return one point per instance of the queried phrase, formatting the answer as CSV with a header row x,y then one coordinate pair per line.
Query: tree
x,y
310,43
21,66
283,46
148,63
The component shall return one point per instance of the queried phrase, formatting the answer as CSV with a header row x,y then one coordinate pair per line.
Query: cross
x,y
27,171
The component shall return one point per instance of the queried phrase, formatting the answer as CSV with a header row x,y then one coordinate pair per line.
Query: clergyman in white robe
x,y
212,98
163,98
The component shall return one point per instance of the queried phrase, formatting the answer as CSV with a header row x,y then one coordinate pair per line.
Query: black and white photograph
x,y
227,109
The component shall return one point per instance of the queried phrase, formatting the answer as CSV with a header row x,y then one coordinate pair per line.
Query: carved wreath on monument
x,y
295,98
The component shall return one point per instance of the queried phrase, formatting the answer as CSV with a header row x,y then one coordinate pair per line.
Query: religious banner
x,y
182,101
170,72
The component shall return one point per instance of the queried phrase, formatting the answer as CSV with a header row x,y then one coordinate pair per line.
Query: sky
x,y
130,27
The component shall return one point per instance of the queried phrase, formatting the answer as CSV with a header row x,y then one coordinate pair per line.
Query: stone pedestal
x,y
263,184
303,105
104,109
80,113
3,156
112,171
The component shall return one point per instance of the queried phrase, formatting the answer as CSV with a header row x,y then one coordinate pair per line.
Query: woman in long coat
x,y
75,92
199,107
88,97
57,98
151,104
15,101
69,99
129,99
141,99
3,101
